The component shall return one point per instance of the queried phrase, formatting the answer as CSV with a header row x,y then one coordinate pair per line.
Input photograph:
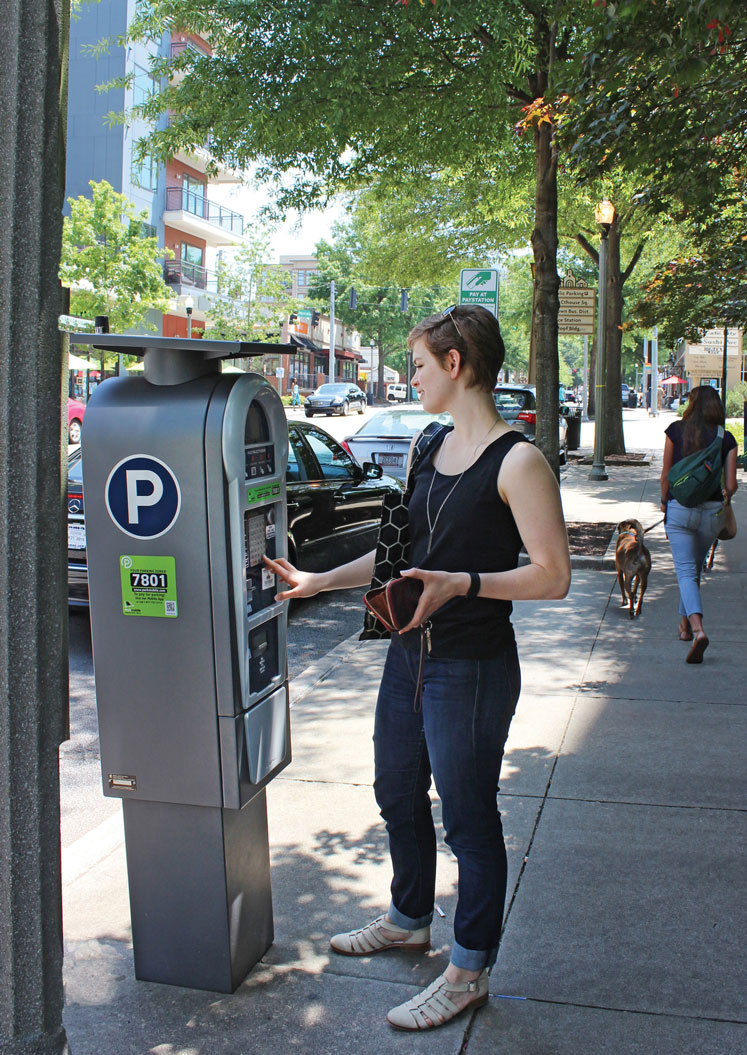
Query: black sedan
x,y
334,506
335,398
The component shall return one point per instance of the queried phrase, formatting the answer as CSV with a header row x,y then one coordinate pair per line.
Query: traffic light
x,y
293,317
315,317
403,300
353,298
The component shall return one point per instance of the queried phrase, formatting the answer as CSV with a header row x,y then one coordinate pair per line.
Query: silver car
x,y
386,437
517,405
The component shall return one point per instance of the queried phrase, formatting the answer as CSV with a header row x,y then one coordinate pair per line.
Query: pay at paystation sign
x,y
148,586
479,286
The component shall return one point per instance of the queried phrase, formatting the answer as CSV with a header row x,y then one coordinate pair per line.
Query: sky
x,y
297,236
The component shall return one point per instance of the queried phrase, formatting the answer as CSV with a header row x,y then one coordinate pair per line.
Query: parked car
x,y
517,405
335,398
625,391
386,437
397,393
75,412
334,506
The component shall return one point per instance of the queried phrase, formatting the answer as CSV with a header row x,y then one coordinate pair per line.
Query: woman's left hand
x,y
439,587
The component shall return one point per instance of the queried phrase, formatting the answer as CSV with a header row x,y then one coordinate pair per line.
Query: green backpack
x,y
693,479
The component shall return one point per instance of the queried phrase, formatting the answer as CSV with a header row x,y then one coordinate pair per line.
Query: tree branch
x,y
588,248
633,261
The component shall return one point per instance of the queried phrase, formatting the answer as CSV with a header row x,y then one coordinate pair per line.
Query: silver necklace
x,y
432,525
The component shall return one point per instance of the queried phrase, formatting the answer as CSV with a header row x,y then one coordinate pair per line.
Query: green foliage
x,y
110,267
352,261
735,400
254,295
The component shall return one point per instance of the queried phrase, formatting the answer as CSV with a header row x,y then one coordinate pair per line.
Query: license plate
x,y
76,536
389,459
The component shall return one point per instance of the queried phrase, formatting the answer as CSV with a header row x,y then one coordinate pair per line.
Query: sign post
x,y
576,313
480,286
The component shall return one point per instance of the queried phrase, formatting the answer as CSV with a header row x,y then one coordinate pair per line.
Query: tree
x,y
375,88
253,296
378,315
110,266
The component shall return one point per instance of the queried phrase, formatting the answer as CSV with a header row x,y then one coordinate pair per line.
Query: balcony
x,y
184,277
190,211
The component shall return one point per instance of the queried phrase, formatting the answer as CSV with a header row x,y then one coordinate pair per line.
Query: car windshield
x,y
512,401
331,390
401,423
75,468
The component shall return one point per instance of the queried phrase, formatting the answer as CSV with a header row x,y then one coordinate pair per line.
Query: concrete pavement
x,y
623,798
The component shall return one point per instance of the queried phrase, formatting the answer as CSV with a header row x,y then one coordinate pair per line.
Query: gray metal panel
x,y
155,680
200,896
241,742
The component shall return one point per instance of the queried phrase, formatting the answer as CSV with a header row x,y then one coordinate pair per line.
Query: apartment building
x,y
179,197
310,331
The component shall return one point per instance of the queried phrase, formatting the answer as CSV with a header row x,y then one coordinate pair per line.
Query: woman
x,y
691,531
482,492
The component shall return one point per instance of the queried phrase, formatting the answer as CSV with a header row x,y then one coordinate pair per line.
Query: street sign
x,y
577,301
479,286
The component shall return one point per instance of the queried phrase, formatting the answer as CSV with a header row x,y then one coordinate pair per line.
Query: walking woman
x,y
480,493
691,531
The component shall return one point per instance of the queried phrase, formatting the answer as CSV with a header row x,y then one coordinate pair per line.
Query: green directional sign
x,y
479,286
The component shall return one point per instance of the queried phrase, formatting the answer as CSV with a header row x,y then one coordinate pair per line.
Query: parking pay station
x,y
184,490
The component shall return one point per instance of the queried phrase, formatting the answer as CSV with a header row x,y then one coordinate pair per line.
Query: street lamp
x,y
604,215
188,306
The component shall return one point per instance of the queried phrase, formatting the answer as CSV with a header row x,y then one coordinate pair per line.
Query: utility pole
x,y
33,580
332,372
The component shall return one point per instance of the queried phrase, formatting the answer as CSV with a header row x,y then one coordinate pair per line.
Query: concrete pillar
x,y
33,613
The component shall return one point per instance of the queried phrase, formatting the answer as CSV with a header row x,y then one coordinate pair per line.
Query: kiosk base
x,y
200,896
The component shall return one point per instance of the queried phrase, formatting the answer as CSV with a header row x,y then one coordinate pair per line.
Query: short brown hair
x,y
476,335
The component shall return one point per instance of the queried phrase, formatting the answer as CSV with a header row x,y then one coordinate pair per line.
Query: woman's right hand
x,y
302,583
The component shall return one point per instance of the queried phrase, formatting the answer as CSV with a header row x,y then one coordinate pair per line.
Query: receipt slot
x,y
184,483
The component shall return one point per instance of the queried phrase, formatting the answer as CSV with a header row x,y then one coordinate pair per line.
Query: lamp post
x,y
604,214
188,306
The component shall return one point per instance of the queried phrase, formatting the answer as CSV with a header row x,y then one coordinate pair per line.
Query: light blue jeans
x,y
691,533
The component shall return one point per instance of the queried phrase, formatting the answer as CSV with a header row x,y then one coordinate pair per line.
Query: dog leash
x,y
651,528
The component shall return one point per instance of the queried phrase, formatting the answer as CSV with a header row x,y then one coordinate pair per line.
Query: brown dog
x,y
632,563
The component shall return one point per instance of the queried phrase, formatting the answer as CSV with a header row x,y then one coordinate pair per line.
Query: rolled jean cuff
x,y
407,921
472,959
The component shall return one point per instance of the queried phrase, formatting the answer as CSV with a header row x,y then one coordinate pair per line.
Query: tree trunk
x,y
545,318
614,441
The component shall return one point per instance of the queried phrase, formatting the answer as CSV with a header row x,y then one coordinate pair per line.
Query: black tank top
x,y
476,532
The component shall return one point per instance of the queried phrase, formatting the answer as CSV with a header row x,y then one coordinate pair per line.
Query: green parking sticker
x,y
148,586
262,492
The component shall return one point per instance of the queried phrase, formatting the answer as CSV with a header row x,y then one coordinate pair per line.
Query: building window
x,y
144,174
143,86
192,254
305,276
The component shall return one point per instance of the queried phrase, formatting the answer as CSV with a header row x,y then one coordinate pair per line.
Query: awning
x,y
352,356
76,363
304,342
673,381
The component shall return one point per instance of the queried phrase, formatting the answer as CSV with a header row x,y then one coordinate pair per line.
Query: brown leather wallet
x,y
395,602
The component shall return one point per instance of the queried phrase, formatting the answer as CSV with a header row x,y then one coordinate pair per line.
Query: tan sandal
x,y
434,1006
371,939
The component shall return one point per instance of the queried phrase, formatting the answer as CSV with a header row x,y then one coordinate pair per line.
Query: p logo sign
x,y
143,496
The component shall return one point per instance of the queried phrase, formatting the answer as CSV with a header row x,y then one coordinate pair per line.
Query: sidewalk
x,y
623,802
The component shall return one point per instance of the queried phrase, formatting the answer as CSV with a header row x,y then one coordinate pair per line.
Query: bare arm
x,y
307,584
730,474
666,466
529,488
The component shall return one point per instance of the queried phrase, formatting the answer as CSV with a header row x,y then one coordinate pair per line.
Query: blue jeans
x,y
458,736
691,533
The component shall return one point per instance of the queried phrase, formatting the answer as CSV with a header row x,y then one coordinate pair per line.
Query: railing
x,y
197,204
180,46
181,272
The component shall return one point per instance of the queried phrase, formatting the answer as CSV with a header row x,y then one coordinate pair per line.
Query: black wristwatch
x,y
474,585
